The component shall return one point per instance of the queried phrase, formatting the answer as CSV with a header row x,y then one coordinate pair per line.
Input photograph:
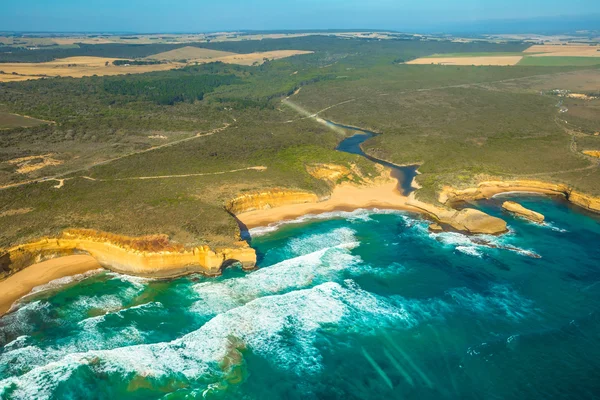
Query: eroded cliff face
x,y
586,201
151,256
331,173
487,189
266,199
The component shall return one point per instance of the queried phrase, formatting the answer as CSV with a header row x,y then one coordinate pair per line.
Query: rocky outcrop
x,y
151,256
467,220
518,209
588,202
269,199
474,221
486,190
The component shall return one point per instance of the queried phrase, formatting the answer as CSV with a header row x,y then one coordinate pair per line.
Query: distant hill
x,y
190,53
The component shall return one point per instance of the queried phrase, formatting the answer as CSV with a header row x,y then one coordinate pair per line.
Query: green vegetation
x,y
560,61
168,91
194,126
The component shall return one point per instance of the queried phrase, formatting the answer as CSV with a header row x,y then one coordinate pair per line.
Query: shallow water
x,y
361,305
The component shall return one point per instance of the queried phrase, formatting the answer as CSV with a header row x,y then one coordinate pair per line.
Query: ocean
x,y
345,305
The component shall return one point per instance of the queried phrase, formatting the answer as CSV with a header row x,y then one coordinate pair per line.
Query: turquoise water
x,y
361,305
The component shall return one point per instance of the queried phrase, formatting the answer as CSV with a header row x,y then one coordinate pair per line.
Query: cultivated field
x,y
78,67
189,53
536,55
563,50
466,60
259,58
75,67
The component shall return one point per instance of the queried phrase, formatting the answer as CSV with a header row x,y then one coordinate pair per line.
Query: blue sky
x,y
214,15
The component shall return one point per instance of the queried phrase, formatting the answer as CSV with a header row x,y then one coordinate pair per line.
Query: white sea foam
x,y
299,272
60,282
476,245
260,325
550,225
359,215
306,244
281,328
500,302
470,250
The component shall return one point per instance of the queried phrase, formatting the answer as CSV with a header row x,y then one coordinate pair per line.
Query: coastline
x,y
345,197
155,256
488,189
23,282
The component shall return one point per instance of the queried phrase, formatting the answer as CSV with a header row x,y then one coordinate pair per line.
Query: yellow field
x,y
259,58
499,60
78,67
564,51
189,53
75,67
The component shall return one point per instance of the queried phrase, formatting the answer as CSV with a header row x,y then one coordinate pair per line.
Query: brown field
x,y
190,53
76,67
549,50
17,78
252,58
499,60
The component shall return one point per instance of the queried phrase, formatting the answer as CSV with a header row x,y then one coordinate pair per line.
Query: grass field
x,y
11,121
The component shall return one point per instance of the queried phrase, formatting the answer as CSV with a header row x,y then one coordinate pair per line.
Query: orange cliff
x,y
489,188
265,207
267,199
152,256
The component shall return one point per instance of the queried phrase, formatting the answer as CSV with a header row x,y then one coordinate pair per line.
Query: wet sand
x,y
22,283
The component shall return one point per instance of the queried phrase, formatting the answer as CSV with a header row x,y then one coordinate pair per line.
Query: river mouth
x,y
404,174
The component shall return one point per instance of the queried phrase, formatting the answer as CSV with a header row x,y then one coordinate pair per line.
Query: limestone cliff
x,y
487,189
143,256
518,209
331,173
269,199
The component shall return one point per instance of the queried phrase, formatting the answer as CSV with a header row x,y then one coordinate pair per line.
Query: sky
x,y
147,16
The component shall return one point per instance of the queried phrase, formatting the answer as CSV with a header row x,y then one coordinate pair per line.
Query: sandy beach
x,y
345,197
21,283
